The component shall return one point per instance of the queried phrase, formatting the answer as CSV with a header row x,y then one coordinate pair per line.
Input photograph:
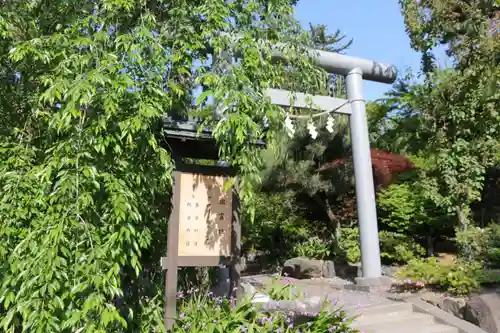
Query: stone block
x,y
305,268
483,310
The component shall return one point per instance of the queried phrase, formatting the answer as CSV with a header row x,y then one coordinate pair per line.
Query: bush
x,y
348,245
278,226
399,206
493,246
472,244
203,313
394,247
404,208
314,248
480,245
398,248
459,278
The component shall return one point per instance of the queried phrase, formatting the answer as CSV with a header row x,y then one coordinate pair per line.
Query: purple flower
x,y
265,319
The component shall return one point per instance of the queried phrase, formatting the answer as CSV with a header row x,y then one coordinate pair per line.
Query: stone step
x,y
378,309
387,321
397,317
434,328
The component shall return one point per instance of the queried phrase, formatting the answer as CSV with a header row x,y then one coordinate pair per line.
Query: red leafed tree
x,y
385,166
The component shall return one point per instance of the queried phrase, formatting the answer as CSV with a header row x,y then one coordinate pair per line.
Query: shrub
x,y
348,245
472,243
398,206
314,248
277,227
480,245
398,248
493,246
405,209
202,313
459,278
394,247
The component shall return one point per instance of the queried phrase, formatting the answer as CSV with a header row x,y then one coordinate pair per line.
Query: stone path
x,y
330,288
372,312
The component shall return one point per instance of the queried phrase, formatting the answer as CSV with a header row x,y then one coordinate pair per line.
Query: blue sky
x,y
376,26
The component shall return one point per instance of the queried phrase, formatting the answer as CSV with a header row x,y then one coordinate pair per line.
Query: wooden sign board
x,y
204,227
205,216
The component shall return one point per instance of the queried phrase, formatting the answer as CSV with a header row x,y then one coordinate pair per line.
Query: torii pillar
x,y
355,70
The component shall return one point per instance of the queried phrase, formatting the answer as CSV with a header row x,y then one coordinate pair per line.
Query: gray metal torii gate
x,y
355,70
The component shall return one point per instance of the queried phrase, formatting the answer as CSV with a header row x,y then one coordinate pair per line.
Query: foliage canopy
x,y
84,178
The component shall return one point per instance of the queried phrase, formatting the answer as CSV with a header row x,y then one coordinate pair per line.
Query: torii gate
x,y
355,70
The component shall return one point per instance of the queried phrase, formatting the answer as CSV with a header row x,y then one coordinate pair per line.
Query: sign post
x,y
204,228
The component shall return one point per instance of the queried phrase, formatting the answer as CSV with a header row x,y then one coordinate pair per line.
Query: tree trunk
x,y
333,219
463,221
430,245
462,217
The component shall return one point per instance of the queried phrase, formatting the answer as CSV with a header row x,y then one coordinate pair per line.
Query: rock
x,y
305,268
251,256
260,298
247,289
347,271
390,271
302,310
328,269
454,306
482,310
432,298
310,305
